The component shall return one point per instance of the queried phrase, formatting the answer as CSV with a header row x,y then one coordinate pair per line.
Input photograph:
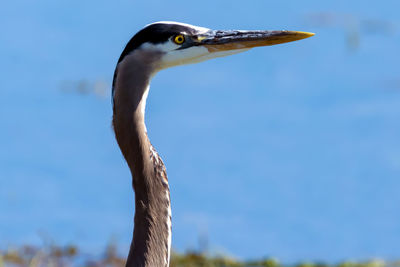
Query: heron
x,y
158,46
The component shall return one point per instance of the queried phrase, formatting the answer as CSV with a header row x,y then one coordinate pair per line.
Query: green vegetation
x,y
55,256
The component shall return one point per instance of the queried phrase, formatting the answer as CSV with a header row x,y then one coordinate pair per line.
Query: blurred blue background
x,y
290,151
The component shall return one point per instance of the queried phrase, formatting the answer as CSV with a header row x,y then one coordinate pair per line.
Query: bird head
x,y
171,44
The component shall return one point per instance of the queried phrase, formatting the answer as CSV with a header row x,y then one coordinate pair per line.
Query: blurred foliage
x,y
55,256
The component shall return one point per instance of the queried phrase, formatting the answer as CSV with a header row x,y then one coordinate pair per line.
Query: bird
x,y
158,46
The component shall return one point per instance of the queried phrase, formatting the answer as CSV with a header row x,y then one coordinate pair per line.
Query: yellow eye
x,y
179,39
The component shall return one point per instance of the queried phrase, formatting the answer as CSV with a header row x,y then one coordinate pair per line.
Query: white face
x,y
172,57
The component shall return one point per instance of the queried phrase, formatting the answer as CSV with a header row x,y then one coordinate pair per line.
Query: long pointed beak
x,y
216,41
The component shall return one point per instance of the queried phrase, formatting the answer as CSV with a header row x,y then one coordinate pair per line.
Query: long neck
x,y
152,224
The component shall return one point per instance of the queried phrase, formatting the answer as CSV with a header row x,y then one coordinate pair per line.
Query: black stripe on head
x,y
156,33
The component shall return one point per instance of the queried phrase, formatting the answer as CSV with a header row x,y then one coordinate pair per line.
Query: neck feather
x,y
152,224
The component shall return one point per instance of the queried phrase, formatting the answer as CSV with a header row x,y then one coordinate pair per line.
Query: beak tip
x,y
305,34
